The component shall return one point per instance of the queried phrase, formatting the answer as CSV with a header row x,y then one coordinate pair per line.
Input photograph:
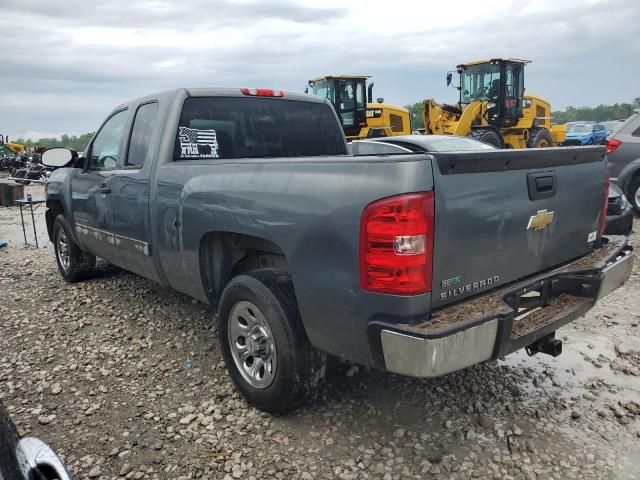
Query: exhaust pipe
x,y
547,344
370,93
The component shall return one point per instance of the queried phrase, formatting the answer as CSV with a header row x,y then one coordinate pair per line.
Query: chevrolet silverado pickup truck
x,y
419,263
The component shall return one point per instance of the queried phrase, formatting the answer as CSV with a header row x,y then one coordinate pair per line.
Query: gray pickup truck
x,y
420,263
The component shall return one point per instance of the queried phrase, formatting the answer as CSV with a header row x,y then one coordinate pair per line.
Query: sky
x,y
66,64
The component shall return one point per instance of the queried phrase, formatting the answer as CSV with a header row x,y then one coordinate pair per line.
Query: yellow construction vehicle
x,y
494,108
360,116
9,148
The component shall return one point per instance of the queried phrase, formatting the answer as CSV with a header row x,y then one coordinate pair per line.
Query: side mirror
x,y
58,157
449,78
306,90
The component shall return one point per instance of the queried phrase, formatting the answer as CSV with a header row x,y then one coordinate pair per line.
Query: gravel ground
x,y
125,379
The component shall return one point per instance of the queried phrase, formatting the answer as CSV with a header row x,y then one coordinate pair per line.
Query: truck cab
x,y
348,96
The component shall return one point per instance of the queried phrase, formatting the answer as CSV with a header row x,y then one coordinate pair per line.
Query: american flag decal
x,y
196,143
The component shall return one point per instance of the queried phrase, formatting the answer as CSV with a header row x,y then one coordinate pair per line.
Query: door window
x,y
141,134
106,146
480,82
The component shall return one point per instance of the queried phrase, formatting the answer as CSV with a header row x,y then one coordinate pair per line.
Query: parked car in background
x,y
612,126
28,458
416,143
571,124
619,212
623,150
586,134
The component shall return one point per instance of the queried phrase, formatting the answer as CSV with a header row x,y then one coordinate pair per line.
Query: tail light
x,y
396,244
603,215
262,92
612,144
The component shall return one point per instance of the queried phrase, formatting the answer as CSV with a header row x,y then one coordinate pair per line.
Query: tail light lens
x,y
396,245
262,92
603,215
612,144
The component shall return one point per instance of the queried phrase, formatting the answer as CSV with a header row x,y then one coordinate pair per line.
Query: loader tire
x,y
487,136
539,138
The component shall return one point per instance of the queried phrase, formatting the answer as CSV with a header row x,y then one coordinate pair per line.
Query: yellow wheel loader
x,y
353,101
9,148
494,108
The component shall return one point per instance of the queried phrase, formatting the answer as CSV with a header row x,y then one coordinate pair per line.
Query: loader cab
x,y
497,83
348,96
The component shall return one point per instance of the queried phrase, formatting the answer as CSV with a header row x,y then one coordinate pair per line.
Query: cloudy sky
x,y
66,63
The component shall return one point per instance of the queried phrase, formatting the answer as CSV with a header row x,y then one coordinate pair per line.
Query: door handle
x,y
544,184
541,185
104,189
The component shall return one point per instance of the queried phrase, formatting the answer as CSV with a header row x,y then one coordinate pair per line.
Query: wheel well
x,y
223,255
54,208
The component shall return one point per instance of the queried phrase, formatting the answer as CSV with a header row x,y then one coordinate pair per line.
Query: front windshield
x,y
580,129
324,89
480,82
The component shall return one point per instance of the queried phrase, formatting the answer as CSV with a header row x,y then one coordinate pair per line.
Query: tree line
x,y
601,113
76,142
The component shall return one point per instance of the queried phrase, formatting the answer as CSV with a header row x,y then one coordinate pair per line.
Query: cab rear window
x,y
237,127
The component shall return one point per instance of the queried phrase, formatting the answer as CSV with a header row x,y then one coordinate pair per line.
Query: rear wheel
x,y
264,344
539,138
74,263
487,136
633,193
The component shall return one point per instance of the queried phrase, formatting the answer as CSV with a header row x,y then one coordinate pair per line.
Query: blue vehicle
x,y
586,134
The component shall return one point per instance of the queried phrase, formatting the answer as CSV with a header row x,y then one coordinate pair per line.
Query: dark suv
x,y
623,149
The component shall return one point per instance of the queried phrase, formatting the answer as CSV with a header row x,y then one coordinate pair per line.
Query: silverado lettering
x,y
455,292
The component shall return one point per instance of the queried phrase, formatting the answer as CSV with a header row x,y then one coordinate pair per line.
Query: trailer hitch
x,y
547,344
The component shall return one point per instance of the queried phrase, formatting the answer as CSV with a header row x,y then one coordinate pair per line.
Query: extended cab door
x,y
91,189
131,194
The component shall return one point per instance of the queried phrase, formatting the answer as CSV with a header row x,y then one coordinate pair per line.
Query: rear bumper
x,y
619,224
503,321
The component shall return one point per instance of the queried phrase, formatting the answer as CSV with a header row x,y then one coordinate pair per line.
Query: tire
x,y
633,193
21,174
539,138
488,136
74,264
263,301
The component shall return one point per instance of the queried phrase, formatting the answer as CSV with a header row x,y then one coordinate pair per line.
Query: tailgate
x,y
503,215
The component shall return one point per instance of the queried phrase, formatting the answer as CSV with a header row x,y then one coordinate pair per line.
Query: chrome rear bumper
x,y
451,341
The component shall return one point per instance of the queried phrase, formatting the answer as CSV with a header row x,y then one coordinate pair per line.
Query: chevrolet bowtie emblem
x,y
540,220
